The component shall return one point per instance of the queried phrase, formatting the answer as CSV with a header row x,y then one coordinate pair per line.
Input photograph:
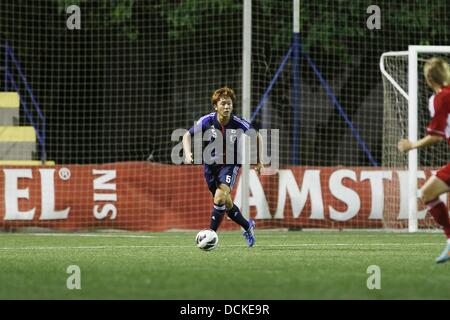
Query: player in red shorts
x,y
437,77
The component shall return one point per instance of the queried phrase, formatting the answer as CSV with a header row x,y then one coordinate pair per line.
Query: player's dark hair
x,y
224,92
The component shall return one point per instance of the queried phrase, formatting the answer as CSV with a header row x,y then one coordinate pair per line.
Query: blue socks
x,y
217,216
236,215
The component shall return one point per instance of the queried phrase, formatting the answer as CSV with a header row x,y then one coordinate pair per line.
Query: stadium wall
x,y
123,196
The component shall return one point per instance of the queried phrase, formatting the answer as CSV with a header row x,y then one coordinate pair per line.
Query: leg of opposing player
x,y
429,195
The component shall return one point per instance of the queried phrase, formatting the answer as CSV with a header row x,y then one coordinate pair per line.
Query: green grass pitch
x,y
282,265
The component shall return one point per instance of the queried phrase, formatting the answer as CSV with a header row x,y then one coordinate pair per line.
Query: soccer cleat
x,y
250,234
445,255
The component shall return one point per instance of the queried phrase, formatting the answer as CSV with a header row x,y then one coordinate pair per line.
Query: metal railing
x,y
11,63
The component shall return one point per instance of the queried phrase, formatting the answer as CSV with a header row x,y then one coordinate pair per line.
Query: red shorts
x,y
444,174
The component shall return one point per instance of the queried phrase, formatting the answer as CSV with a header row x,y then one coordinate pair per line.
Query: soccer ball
x,y
207,239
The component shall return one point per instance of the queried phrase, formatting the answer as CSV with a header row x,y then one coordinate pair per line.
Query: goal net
x,y
111,94
395,68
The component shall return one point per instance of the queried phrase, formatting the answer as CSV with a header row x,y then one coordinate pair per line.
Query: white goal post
x,y
412,102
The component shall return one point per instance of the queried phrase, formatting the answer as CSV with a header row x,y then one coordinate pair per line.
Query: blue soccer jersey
x,y
231,132
223,170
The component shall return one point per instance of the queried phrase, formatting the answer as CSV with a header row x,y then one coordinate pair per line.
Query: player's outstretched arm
x,y
405,145
187,148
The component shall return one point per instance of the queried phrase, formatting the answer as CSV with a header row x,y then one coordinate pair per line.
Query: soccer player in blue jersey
x,y
221,174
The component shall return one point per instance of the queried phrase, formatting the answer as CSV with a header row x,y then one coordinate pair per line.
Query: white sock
x,y
448,241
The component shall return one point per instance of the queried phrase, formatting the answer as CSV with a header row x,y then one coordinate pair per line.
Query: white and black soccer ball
x,y
207,239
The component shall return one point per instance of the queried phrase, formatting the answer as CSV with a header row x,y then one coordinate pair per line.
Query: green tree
x,y
107,14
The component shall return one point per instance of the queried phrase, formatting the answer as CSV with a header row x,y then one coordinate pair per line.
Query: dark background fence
x,y
115,90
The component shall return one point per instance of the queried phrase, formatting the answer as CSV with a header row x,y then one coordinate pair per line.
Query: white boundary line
x,y
192,246
86,235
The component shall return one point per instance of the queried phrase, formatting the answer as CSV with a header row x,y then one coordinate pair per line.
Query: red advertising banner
x,y
143,196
